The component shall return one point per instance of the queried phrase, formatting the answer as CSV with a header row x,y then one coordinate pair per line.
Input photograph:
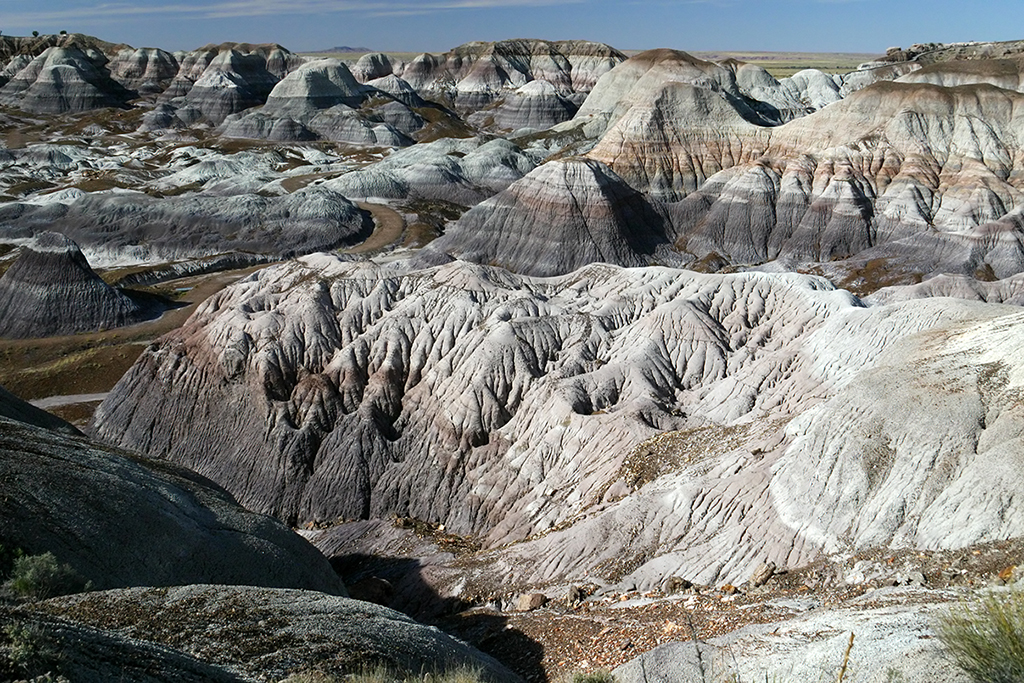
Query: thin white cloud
x,y
231,9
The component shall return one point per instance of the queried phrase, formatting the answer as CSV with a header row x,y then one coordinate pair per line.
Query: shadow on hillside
x,y
487,631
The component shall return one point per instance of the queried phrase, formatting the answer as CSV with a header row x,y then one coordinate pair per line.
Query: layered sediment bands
x,y
145,70
135,225
51,290
920,172
321,100
475,74
676,136
496,404
217,81
535,105
63,80
563,215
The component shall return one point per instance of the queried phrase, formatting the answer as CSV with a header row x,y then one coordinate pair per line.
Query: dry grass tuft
x,y
986,638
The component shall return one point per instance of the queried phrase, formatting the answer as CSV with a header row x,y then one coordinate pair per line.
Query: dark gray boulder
x,y
121,520
13,408
269,634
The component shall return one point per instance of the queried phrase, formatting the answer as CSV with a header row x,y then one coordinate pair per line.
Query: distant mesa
x,y
343,48
51,290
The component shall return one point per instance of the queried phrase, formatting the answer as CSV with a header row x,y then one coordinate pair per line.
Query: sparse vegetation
x,y
598,676
38,577
986,638
382,674
28,650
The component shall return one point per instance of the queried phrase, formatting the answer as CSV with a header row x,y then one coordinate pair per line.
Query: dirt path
x,y
389,228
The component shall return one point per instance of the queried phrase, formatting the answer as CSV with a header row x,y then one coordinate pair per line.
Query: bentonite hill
x,y
589,359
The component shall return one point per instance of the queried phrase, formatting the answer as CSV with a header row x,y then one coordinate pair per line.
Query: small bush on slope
x,y
986,639
38,577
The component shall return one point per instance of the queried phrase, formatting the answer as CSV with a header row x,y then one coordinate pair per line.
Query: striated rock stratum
x,y
51,290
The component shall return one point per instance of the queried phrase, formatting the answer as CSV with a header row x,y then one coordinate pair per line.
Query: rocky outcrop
x,y
154,524
138,225
255,634
322,100
340,385
893,640
64,80
51,290
461,171
561,216
473,75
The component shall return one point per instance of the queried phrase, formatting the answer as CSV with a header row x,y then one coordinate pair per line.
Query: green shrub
x,y
38,577
28,649
986,639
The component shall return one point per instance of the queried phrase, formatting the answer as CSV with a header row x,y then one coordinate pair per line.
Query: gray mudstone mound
x,y
474,75
121,520
235,80
140,225
460,171
51,290
145,71
537,105
268,634
322,99
560,217
372,66
64,80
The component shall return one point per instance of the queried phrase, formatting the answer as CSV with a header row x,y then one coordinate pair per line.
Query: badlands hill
x,y
51,290
157,525
673,320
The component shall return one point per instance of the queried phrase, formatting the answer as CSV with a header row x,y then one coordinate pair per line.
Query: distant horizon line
x,y
344,49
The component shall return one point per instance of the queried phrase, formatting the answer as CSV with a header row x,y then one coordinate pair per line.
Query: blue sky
x,y
437,25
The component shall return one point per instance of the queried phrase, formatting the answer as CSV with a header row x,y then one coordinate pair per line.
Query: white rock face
x,y
505,406
893,641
